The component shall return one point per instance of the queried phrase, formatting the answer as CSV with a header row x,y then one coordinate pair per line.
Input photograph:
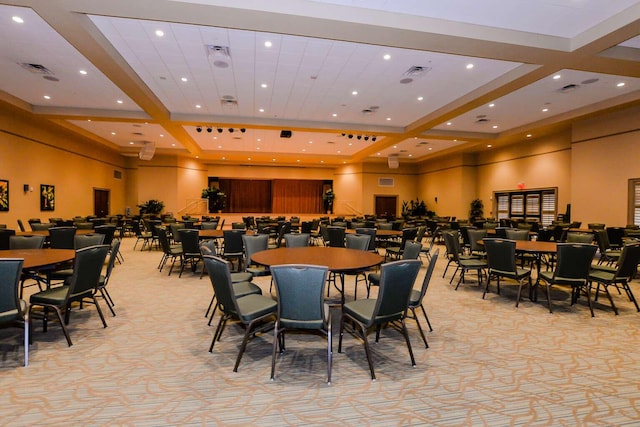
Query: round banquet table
x,y
218,234
338,260
39,258
46,232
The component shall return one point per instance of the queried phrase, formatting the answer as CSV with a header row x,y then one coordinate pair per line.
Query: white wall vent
x,y
148,150
393,161
386,182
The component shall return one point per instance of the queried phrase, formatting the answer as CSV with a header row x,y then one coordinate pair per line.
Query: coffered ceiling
x,y
353,80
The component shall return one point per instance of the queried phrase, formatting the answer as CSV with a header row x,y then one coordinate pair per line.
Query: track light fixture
x,y
199,129
373,138
359,136
350,136
230,130
209,129
243,130
219,130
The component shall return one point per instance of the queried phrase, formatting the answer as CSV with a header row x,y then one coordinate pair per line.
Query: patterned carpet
x,y
489,364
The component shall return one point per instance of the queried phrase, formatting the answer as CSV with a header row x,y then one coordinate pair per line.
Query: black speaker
x,y
285,134
25,187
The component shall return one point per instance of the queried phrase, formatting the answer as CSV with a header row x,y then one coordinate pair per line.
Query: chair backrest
x,y
615,235
517,234
336,236
220,276
209,225
573,237
38,226
305,227
452,244
21,225
297,240
324,233
428,274
5,236
164,240
113,255
300,289
501,255
475,236
628,262
83,240
574,261
62,237
371,232
385,226
501,232
358,241
595,226
109,230
238,226
407,235
87,267
190,241
396,283
232,241
26,242
254,243
602,239
411,250
10,307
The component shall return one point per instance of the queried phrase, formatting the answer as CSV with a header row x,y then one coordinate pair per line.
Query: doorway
x,y
386,206
100,202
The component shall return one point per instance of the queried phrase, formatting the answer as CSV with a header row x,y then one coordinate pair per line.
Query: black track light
x,y
219,130
373,138
350,136
243,130
230,130
343,134
359,136
209,129
198,129
366,138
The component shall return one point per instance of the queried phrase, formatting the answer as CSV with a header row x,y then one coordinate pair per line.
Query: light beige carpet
x,y
488,364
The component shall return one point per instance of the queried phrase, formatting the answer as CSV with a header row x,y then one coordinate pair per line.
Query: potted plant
x,y
216,198
328,198
151,207
476,212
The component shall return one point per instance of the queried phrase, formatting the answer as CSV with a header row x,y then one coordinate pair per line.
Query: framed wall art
x,y
4,195
47,197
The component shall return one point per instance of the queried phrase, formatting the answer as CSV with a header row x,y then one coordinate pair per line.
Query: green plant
x,y
477,210
415,207
328,198
216,198
152,207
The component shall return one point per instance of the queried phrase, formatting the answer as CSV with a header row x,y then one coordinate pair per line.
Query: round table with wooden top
x,y
219,234
39,258
338,260
46,232
381,233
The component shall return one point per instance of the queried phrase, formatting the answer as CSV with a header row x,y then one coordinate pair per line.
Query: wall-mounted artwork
x,y
47,197
4,195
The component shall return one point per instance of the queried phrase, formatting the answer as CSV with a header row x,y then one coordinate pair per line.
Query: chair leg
x,y
426,317
613,306
218,332
549,296
632,298
103,293
367,350
329,350
62,323
26,341
415,317
243,346
273,350
486,288
406,338
95,301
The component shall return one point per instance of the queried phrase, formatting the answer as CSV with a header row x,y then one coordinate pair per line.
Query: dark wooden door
x,y
100,202
386,205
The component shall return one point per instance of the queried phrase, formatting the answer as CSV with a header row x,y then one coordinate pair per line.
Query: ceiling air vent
x,y
386,182
482,120
228,104
220,54
417,71
35,68
568,88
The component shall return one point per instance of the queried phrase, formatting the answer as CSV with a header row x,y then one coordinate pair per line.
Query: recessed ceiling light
x,y
355,92
224,158
544,110
273,160
495,126
420,98
257,148
119,101
304,149
88,120
395,146
489,145
161,135
130,142
184,79
263,85
492,105
620,84
410,155
430,148
173,145
47,97
298,160
529,135
261,110
248,158
350,144
335,114
339,151
198,106
159,33
268,44
219,146
449,123
113,133
388,118
321,161
310,142
469,66
387,57
83,72
556,77
259,139
377,154
18,20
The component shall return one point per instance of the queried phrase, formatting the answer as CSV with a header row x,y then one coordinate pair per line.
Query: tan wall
x,y
37,152
405,184
606,154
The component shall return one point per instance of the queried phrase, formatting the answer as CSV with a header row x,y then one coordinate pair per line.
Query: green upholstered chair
x,y
190,249
80,287
301,306
13,310
608,256
390,307
463,264
572,269
254,311
621,275
103,281
28,242
417,296
411,251
83,240
297,240
501,259
395,251
62,237
232,248
170,252
575,237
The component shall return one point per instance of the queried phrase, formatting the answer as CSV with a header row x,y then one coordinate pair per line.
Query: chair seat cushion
x,y
255,306
241,289
601,276
414,298
473,263
53,296
362,310
258,271
374,279
241,277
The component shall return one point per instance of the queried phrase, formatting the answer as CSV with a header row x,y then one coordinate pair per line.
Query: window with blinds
x,y
634,202
537,205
